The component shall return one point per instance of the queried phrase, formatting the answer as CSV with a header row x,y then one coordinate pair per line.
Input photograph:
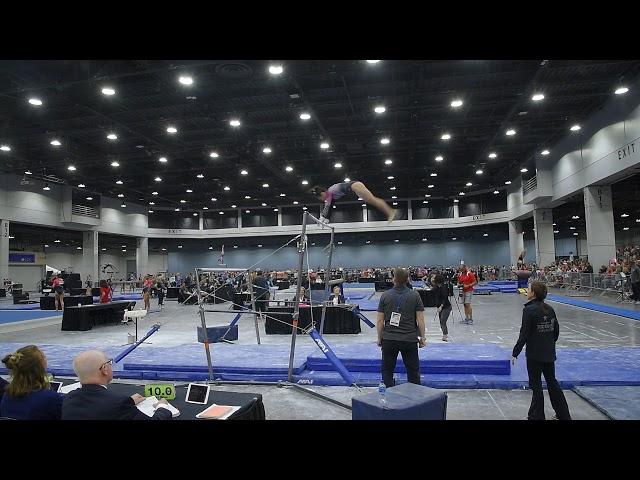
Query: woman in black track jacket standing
x,y
441,291
539,331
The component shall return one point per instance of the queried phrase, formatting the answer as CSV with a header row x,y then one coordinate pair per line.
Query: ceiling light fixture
x,y
275,69
524,170
468,184
108,91
189,190
493,155
575,128
511,132
508,182
55,143
115,164
537,97
347,179
373,61
71,168
185,80
434,174
337,165
384,141
227,188
430,185
496,192
439,158
379,109
289,168
456,103
162,160
390,177
80,185
121,195
35,101
200,176
89,198
265,185
158,179
624,215
283,195
235,122
388,161
305,116
172,130
479,172
244,172
266,150
214,155
305,182
119,182
446,136
28,172
154,193
112,136
324,145
545,152
621,90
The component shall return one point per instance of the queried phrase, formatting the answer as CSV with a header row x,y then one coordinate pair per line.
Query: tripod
x,y
455,298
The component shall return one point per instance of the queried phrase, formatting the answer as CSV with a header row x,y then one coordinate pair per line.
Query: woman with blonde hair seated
x,y
28,396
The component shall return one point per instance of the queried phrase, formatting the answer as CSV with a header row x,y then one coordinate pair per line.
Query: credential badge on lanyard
x,y
397,315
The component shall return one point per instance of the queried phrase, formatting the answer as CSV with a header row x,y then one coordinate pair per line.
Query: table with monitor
x,y
49,302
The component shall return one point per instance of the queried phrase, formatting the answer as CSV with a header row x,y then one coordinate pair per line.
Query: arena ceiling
x,y
54,115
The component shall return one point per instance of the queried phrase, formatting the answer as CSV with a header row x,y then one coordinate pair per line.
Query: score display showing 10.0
x,y
160,391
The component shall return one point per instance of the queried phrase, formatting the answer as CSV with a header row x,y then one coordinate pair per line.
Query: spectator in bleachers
x,y
93,401
28,396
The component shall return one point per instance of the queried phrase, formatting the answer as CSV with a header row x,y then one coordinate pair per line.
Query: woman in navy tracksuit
x,y
539,331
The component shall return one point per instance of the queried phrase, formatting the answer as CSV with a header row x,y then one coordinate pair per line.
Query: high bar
x,y
217,269
322,224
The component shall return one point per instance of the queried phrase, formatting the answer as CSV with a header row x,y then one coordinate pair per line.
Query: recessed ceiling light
x,y
266,150
394,197
172,130
283,195
572,228
364,204
461,193
456,103
247,211
56,241
624,215
390,177
176,209
485,234
234,206
234,123
28,172
556,231
275,69
554,224
55,143
427,195
304,208
537,97
121,195
446,136
575,128
195,214
575,217
80,185
152,203
425,201
112,136
305,182
544,152
247,197
214,155
379,109
158,179
621,90
244,172
434,174
235,246
524,170
347,179
368,241
108,91
508,182
395,203
337,165
468,184
324,145
263,204
189,190
71,168
124,205
384,141
496,192
226,188
373,61
89,198
289,168
454,238
220,213
388,161
511,132
479,172
179,246
205,208
185,80
625,228
265,185
575,234
214,199
493,155
305,116
162,160
200,176
430,185
439,158
118,182
295,202
183,201
154,193
259,245
392,188
115,164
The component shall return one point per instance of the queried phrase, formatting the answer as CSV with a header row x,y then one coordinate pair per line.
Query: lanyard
x,y
401,299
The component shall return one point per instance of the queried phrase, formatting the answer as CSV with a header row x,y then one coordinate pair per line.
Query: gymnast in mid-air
x,y
339,190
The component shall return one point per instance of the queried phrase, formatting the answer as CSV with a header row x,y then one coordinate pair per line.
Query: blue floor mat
x,y
503,282
622,312
486,288
618,403
357,295
438,359
368,305
508,290
21,306
10,316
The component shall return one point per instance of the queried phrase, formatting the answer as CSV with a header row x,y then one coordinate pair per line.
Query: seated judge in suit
x,y
28,396
93,401
304,296
336,298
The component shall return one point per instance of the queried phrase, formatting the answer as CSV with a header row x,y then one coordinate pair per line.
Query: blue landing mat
x,y
226,359
125,296
437,358
28,306
368,305
622,312
486,288
357,294
359,285
618,403
503,282
10,316
508,290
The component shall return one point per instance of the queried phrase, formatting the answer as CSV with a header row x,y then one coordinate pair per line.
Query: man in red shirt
x,y
468,280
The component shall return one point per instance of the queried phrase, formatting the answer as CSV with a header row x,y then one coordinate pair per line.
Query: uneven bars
x,y
322,224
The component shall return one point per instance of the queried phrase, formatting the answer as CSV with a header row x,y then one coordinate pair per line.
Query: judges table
x,y
428,297
251,406
282,284
172,292
49,303
84,317
339,319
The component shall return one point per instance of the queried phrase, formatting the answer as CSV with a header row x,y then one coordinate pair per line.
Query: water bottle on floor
x,y
382,393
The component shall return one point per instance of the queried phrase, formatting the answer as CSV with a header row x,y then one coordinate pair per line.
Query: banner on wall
x,y
22,258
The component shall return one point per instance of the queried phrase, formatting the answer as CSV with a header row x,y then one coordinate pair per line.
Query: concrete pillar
x,y
545,241
365,214
601,237
456,210
90,264
4,250
239,218
516,240
142,256
200,222
279,216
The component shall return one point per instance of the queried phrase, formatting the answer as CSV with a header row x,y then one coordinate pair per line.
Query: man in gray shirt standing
x,y
400,328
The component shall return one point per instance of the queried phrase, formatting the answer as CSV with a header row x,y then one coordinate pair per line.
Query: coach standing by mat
x,y
401,328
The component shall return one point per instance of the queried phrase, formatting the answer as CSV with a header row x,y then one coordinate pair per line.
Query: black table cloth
x,y
251,406
366,280
49,303
172,292
240,298
84,317
77,291
338,320
282,284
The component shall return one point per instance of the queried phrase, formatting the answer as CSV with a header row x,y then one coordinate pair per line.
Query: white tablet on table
x,y
197,393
